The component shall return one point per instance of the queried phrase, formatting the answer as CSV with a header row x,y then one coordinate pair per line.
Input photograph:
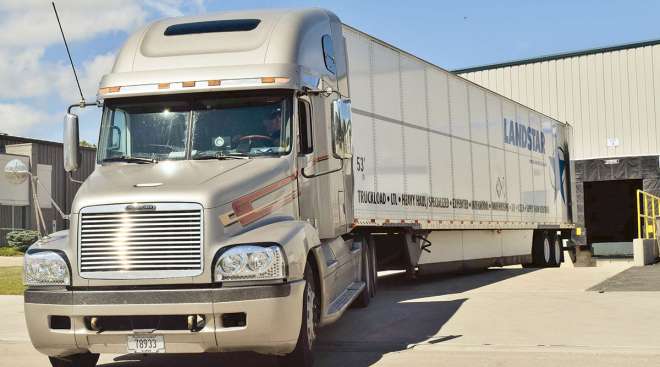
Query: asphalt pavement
x,y
501,317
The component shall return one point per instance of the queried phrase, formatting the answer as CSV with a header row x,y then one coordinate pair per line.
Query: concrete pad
x,y
510,316
12,327
11,261
644,251
635,279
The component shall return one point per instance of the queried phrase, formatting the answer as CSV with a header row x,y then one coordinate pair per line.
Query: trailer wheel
x,y
538,257
556,251
76,360
302,355
365,270
547,250
544,250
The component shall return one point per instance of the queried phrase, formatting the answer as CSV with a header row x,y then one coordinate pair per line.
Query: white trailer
x,y
476,172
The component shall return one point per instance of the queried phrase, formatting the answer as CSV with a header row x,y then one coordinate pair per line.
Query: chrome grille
x,y
118,242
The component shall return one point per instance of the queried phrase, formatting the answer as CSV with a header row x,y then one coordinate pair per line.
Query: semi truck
x,y
255,169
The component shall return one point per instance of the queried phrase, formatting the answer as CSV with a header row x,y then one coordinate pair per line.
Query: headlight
x,y
45,268
250,262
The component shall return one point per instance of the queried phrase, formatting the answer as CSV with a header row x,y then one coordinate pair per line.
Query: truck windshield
x,y
201,126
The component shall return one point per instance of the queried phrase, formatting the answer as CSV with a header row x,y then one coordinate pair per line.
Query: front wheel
x,y
76,360
373,261
302,356
365,264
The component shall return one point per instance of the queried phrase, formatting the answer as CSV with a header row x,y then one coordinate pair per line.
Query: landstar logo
x,y
523,136
558,163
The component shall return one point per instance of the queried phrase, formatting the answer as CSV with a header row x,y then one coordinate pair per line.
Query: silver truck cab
x,y
219,214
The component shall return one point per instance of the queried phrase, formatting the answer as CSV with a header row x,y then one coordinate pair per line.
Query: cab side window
x,y
329,53
305,119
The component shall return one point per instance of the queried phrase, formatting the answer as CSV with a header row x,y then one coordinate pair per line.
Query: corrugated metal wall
x,y
610,96
63,190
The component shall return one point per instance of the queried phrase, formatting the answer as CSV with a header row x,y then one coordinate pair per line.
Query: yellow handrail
x,y
647,214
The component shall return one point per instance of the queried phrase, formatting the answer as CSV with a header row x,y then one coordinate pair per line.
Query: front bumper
x,y
273,315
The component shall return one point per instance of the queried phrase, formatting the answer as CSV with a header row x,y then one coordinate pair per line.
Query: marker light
x,y
107,90
145,88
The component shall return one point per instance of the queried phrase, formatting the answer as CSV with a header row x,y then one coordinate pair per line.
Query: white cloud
x,y
35,83
175,8
29,27
89,75
32,22
168,8
19,119
24,72
94,70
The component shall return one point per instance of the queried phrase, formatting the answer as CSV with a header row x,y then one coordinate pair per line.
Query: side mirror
x,y
115,138
71,143
341,128
16,172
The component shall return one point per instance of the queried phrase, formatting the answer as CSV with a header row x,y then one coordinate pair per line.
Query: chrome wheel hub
x,y
546,250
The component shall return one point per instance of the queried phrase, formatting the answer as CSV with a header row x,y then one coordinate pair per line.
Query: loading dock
x,y
610,212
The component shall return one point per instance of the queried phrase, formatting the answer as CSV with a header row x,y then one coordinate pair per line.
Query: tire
x,y
556,252
365,269
537,250
374,266
543,249
547,249
76,360
302,355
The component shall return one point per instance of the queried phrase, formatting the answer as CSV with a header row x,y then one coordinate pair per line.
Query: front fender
x,y
58,241
297,238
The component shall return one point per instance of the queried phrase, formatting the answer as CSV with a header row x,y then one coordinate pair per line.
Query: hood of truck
x,y
210,183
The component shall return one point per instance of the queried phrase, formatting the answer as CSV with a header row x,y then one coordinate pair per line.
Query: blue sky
x,y
38,84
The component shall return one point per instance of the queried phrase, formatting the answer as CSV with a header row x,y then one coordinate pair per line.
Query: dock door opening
x,y
610,210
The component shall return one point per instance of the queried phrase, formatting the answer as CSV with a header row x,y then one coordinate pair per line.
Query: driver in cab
x,y
273,124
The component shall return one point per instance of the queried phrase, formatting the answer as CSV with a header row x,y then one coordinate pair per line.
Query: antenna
x,y
82,98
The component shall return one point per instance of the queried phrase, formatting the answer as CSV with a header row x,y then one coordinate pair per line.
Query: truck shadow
x,y
403,314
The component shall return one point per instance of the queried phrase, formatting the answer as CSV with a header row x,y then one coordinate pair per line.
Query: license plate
x,y
146,344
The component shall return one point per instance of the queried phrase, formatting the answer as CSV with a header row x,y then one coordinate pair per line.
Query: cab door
x,y
307,185
321,190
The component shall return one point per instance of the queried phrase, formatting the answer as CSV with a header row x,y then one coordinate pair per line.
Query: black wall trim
x,y
564,55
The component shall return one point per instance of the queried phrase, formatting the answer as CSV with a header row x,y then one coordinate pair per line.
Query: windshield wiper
x,y
222,156
129,159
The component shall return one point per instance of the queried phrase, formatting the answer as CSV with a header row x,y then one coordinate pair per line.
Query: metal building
x,y
45,161
611,97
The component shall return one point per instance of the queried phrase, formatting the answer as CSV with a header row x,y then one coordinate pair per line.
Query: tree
x,y
85,143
